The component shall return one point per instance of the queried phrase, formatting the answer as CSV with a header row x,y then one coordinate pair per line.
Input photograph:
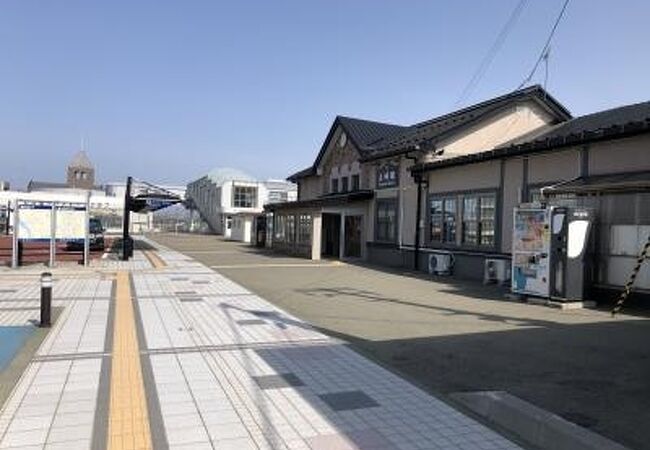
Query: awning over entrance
x,y
326,200
600,184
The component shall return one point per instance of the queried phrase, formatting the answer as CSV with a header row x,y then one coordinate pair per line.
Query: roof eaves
x,y
536,92
540,145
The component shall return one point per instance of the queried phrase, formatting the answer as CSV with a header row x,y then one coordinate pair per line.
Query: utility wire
x,y
546,46
492,52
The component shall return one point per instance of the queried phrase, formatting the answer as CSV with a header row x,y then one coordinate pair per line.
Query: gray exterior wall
x,y
625,155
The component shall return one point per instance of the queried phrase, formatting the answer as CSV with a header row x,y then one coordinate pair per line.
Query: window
x,y
335,185
479,219
304,228
355,182
442,220
470,220
244,196
290,236
386,220
344,184
279,225
487,215
435,220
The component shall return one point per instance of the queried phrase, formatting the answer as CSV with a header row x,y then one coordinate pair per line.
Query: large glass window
x,y
386,220
244,196
304,228
479,219
435,220
278,226
290,236
442,220
449,224
487,216
470,220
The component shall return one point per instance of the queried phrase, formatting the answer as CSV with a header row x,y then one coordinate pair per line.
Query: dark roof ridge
x,y
534,89
608,124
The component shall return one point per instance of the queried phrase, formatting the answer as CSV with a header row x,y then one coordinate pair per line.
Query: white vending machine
x,y
531,248
552,252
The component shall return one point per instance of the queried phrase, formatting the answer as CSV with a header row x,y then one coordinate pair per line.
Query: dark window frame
x,y
345,184
249,197
290,229
305,221
444,223
460,195
356,182
334,186
395,206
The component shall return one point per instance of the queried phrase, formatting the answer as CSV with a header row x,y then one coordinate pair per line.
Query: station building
x,y
230,201
396,195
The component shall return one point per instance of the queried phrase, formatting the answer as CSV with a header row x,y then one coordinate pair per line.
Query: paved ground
x,y
162,352
451,336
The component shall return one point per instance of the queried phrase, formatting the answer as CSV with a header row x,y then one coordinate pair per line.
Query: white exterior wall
x,y
216,205
505,126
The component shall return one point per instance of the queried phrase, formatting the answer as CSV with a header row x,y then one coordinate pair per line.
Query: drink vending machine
x,y
551,251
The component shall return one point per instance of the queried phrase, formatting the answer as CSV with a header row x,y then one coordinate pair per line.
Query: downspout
x,y
418,213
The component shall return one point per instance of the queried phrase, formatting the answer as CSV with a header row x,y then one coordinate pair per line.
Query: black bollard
x,y
46,299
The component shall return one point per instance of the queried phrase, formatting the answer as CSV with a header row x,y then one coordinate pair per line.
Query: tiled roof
x,y
439,127
379,139
639,112
604,125
367,133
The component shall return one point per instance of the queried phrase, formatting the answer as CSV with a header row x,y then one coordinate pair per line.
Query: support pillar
x,y
316,235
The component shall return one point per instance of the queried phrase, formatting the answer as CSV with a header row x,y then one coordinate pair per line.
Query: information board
x,y
70,224
35,223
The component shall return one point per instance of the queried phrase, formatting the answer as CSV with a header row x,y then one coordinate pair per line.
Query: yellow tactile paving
x,y
128,426
155,260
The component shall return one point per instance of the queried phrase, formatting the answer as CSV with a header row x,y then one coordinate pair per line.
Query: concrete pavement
x,y
163,352
456,336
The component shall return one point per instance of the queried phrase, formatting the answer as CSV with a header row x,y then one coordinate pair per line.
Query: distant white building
x,y
106,200
229,200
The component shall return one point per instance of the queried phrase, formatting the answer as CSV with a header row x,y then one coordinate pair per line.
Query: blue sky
x,y
166,90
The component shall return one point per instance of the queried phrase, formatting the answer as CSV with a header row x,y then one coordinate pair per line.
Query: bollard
x,y
46,298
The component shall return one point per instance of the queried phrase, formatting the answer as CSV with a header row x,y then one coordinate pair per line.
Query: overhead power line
x,y
492,52
544,52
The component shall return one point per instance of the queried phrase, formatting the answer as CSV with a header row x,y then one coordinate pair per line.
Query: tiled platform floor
x,y
222,369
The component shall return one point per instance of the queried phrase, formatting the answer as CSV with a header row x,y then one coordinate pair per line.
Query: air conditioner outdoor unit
x,y
496,271
441,263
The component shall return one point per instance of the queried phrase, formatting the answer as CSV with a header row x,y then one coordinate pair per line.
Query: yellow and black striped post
x,y
630,281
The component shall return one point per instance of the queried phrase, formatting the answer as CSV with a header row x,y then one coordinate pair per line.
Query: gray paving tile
x,y
251,322
278,381
348,400
191,299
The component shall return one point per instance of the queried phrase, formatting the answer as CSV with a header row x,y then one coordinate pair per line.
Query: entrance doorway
x,y
353,236
331,235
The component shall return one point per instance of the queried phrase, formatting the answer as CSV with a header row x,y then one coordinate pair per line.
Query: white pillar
x,y
316,230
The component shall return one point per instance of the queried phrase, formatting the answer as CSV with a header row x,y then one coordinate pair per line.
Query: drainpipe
x,y
418,212
418,218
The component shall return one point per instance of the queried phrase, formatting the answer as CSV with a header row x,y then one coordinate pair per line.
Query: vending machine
x,y
531,248
551,252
